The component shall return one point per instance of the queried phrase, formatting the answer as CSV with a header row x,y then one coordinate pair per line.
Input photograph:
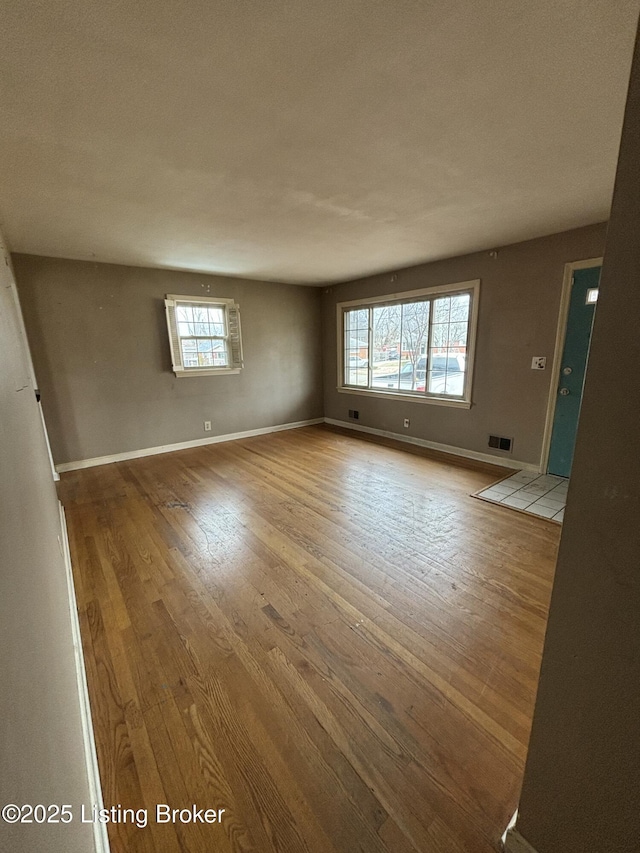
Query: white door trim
x,y
29,360
561,333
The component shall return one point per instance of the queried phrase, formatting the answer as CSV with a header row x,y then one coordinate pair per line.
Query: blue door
x,y
582,306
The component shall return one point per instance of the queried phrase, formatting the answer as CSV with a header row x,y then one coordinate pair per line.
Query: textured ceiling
x,y
308,141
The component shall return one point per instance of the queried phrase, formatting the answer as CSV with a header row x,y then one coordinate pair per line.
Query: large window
x,y
418,344
204,334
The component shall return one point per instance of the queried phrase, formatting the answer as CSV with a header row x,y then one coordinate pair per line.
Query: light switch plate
x,y
538,362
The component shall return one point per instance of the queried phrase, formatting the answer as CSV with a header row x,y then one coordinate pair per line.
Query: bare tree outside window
x,y
415,331
400,334
387,349
386,330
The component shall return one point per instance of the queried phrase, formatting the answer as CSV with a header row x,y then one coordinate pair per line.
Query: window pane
x,y
184,314
358,341
186,329
349,320
216,315
446,372
220,356
447,360
415,330
356,347
202,329
458,335
454,386
204,353
460,307
441,309
387,349
189,356
356,318
356,368
361,318
440,336
200,314
357,376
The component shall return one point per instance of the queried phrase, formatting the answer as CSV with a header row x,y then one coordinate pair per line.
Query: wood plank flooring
x,y
321,634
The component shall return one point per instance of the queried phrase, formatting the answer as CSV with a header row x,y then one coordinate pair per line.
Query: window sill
x,y
196,371
413,398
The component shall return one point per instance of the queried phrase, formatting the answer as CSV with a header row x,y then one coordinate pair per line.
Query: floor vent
x,y
500,443
354,414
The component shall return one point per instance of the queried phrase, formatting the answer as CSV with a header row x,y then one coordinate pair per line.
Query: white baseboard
x,y
442,448
510,825
100,837
181,445
514,843
502,461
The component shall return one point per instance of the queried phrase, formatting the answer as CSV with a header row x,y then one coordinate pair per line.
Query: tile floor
x,y
539,494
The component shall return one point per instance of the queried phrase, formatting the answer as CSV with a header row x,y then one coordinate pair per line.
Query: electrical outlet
x,y
538,362
406,423
207,426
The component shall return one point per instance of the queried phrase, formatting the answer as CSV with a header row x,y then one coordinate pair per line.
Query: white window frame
x,y
464,402
232,335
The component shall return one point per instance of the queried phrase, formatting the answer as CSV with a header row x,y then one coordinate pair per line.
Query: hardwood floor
x,y
321,634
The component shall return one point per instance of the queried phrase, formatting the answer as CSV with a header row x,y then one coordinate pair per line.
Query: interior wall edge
x,y
42,748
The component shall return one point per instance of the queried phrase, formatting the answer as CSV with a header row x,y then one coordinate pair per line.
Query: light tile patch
x,y
544,495
545,511
514,500
503,489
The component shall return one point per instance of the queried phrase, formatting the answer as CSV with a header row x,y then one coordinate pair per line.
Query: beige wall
x,y
519,304
41,746
582,779
101,353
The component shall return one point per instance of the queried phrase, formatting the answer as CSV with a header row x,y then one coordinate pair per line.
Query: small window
x,y
204,335
592,295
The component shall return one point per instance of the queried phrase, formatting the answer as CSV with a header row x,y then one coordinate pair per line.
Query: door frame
x,y
29,360
561,334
